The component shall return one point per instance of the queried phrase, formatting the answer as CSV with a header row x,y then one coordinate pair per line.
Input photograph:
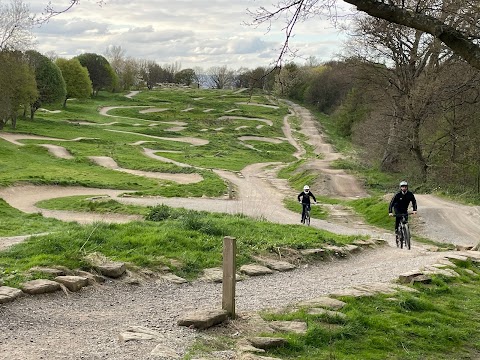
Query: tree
x,y
78,83
185,77
406,86
126,68
100,72
219,77
15,25
17,86
50,82
434,18
151,73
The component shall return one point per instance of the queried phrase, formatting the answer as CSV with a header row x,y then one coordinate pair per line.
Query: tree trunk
x,y
417,151
14,121
390,155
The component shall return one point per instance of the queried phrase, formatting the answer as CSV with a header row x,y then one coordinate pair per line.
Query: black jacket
x,y
400,202
306,197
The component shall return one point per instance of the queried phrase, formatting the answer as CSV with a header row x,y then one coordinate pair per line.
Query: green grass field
x,y
439,322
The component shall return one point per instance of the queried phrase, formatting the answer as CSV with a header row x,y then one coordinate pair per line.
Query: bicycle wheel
x,y
407,236
307,218
401,229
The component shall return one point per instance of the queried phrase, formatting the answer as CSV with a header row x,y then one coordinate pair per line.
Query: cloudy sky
x,y
193,33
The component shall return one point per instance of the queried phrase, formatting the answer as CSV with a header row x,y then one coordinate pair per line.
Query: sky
x,y
191,33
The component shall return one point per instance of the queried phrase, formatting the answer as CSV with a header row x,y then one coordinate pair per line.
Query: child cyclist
x,y
304,199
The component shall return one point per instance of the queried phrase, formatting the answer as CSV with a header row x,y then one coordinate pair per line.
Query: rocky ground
x,y
88,324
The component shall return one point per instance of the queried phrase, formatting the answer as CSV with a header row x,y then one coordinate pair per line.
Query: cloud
x,y
200,33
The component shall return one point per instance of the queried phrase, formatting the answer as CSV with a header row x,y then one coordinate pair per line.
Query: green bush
x,y
159,213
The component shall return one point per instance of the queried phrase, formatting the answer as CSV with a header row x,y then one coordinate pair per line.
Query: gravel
x,y
87,324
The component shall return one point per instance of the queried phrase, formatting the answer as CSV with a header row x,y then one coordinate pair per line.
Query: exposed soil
x,y
86,325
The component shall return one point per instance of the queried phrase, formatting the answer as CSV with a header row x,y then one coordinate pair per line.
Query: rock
x,y
297,327
40,286
470,272
463,247
456,257
444,272
174,279
474,255
215,275
162,351
255,270
423,279
275,264
256,357
308,252
134,333
336,250
267,342
48,271
112,269
8,294
203,319
72,283
105,266
353,248
92,278
364,243
407,277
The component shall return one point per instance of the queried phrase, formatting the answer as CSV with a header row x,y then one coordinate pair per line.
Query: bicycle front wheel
x,y
307,219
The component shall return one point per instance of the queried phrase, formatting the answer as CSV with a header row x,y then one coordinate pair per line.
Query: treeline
x,y
409,104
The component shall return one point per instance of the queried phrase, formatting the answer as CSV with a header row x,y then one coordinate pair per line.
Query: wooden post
x,y
229,275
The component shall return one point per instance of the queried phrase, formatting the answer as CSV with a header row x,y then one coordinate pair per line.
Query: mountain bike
x,y
403,235
306,218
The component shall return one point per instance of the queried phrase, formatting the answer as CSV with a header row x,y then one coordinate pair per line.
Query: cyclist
x,y
304,199
400,202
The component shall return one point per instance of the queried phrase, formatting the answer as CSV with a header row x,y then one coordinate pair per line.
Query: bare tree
x,y
432,17
220,77
15,26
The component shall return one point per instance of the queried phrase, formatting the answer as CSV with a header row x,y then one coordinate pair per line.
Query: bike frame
x,y
403,231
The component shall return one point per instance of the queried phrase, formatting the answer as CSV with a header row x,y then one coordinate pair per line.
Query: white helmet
x,y
306,187
403,183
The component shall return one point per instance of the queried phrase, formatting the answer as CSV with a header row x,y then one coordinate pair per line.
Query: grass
x,y
98,204
439,321
15,222
193,238
34,164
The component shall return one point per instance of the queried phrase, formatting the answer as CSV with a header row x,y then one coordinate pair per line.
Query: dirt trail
x,y
257,182
87,324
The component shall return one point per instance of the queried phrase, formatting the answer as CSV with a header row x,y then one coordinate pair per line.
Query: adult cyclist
x,y
400,202
304,199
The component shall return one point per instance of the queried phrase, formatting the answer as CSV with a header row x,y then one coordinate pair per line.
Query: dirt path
x,y
86,325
